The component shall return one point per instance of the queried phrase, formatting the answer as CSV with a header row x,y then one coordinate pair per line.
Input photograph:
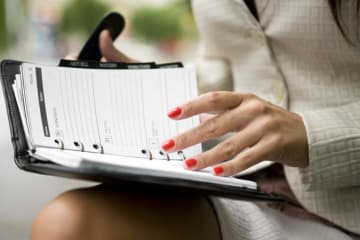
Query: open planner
x,y
105,122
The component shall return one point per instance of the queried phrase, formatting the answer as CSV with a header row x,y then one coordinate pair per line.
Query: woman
x,y
291,70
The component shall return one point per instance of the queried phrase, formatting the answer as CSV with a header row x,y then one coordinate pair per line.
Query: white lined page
x,y
123,111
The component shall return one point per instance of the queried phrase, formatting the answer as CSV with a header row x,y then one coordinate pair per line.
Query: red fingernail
x,y
174,112
218,170
190,163
169,144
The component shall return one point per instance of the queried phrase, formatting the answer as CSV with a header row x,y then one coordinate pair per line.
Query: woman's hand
x,y
108,50
263,131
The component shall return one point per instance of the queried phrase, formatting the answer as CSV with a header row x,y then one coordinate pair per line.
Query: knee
x,y
66,217
107,213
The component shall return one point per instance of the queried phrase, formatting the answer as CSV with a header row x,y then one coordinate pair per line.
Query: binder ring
x,y
98,148
181,154
79,145
148,153
166,155
60,143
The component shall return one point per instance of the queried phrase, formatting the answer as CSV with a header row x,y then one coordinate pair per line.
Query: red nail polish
x,y
169,144
191,162
218,170
174,112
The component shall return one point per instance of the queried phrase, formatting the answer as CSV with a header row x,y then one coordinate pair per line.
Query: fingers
x,y
215,126
224,150
72,56
108,50
212,128
246,114
245,159
205,117
281,134
213,101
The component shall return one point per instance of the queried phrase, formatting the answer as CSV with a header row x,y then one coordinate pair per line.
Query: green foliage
x,y
81,16
158,24
3,35
186,4
9,31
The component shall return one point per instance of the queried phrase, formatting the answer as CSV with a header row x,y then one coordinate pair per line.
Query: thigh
x,y
106,212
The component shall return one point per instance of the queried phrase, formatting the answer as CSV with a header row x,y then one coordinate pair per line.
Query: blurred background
x,y
44,31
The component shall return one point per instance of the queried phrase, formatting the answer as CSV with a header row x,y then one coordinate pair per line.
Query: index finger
x,y
212,101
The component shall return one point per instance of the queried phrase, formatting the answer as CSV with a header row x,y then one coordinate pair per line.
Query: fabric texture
x,y
295,57
251,221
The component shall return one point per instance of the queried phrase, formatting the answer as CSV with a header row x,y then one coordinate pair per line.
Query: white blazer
x,y
297,58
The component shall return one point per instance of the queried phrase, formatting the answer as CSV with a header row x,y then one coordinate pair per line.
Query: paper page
x,y
18,96
119,112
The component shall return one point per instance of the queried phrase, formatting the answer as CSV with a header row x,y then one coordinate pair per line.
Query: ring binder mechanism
x,y
147,153
98,148
165,154
79,145
181,154
59,143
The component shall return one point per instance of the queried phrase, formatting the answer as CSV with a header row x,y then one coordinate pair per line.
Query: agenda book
x,y
106,122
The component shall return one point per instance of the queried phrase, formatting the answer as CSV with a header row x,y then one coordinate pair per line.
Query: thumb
x,y
71,56
108,50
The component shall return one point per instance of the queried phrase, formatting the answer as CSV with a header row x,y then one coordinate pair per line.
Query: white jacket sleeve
x,y
334,147
213,73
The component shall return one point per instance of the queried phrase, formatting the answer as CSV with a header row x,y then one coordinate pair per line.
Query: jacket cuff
x,y
334,148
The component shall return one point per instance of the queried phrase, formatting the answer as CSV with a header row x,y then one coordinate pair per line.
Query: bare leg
x,y
107,213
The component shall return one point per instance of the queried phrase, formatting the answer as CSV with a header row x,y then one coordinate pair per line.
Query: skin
x,y
114,213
